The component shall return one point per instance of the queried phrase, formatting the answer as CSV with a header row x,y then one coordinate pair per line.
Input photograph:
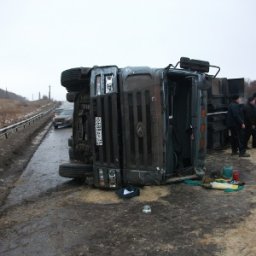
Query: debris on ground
x,y
228,180
128,192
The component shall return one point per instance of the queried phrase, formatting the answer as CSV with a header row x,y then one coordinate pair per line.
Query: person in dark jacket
x,y
249,119
235,123
254,129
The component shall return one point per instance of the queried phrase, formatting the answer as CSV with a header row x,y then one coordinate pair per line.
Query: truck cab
x,y
138,125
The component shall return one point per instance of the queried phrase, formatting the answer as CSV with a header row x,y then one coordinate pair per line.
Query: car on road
x,y
57,111
63,118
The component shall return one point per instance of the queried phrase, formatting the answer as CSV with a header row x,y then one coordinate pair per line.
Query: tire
x,y
75,171
71,154
70,96
76,79
55,126
70,142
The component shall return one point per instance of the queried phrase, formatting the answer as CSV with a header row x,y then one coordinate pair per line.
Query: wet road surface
x,y
41,174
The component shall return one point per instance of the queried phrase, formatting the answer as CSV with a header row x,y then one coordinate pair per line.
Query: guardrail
x,y
4,132
217,113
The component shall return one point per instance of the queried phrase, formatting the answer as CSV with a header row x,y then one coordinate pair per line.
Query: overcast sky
x,y
40,39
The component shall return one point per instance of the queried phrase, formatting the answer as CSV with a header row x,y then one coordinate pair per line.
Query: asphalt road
x,y
41,174
48,215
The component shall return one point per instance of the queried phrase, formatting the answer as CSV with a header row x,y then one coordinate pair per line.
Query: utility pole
x,y
49,96
6,93
39,96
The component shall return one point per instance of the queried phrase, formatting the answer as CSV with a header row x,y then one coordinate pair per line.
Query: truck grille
x,y
138,134
106,130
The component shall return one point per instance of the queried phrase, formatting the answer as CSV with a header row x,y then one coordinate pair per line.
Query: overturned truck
x,y
138,125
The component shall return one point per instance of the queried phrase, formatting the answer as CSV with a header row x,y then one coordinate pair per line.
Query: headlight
x,y
112,178
98,85
109,84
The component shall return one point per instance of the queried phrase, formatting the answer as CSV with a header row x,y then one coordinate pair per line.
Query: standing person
x,y
235,123
249,119
254,128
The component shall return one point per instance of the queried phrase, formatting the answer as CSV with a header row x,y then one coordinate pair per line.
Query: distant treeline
x,y
4,94
250,87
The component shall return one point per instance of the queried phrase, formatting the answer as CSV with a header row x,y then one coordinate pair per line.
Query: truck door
x,y
181,111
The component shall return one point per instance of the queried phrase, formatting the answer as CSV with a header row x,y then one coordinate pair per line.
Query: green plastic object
x,y
227,172
193,182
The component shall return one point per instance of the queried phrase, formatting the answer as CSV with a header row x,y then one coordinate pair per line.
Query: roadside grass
x,y
12,111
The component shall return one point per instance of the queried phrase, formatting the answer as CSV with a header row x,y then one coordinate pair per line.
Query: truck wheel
x,y
70,96
71,154
75,171
76,79
70,142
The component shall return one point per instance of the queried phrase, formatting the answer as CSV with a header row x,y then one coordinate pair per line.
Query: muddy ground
x,y
76,219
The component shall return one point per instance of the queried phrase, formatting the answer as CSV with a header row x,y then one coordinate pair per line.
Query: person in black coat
x,y
235,123
254,129
249,120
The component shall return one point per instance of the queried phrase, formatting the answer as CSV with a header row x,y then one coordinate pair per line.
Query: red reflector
x,y
202,128
202,143
203,113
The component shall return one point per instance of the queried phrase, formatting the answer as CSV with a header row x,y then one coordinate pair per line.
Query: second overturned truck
x,y
137,125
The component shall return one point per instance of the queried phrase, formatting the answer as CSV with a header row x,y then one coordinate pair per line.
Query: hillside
x,y
10,95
